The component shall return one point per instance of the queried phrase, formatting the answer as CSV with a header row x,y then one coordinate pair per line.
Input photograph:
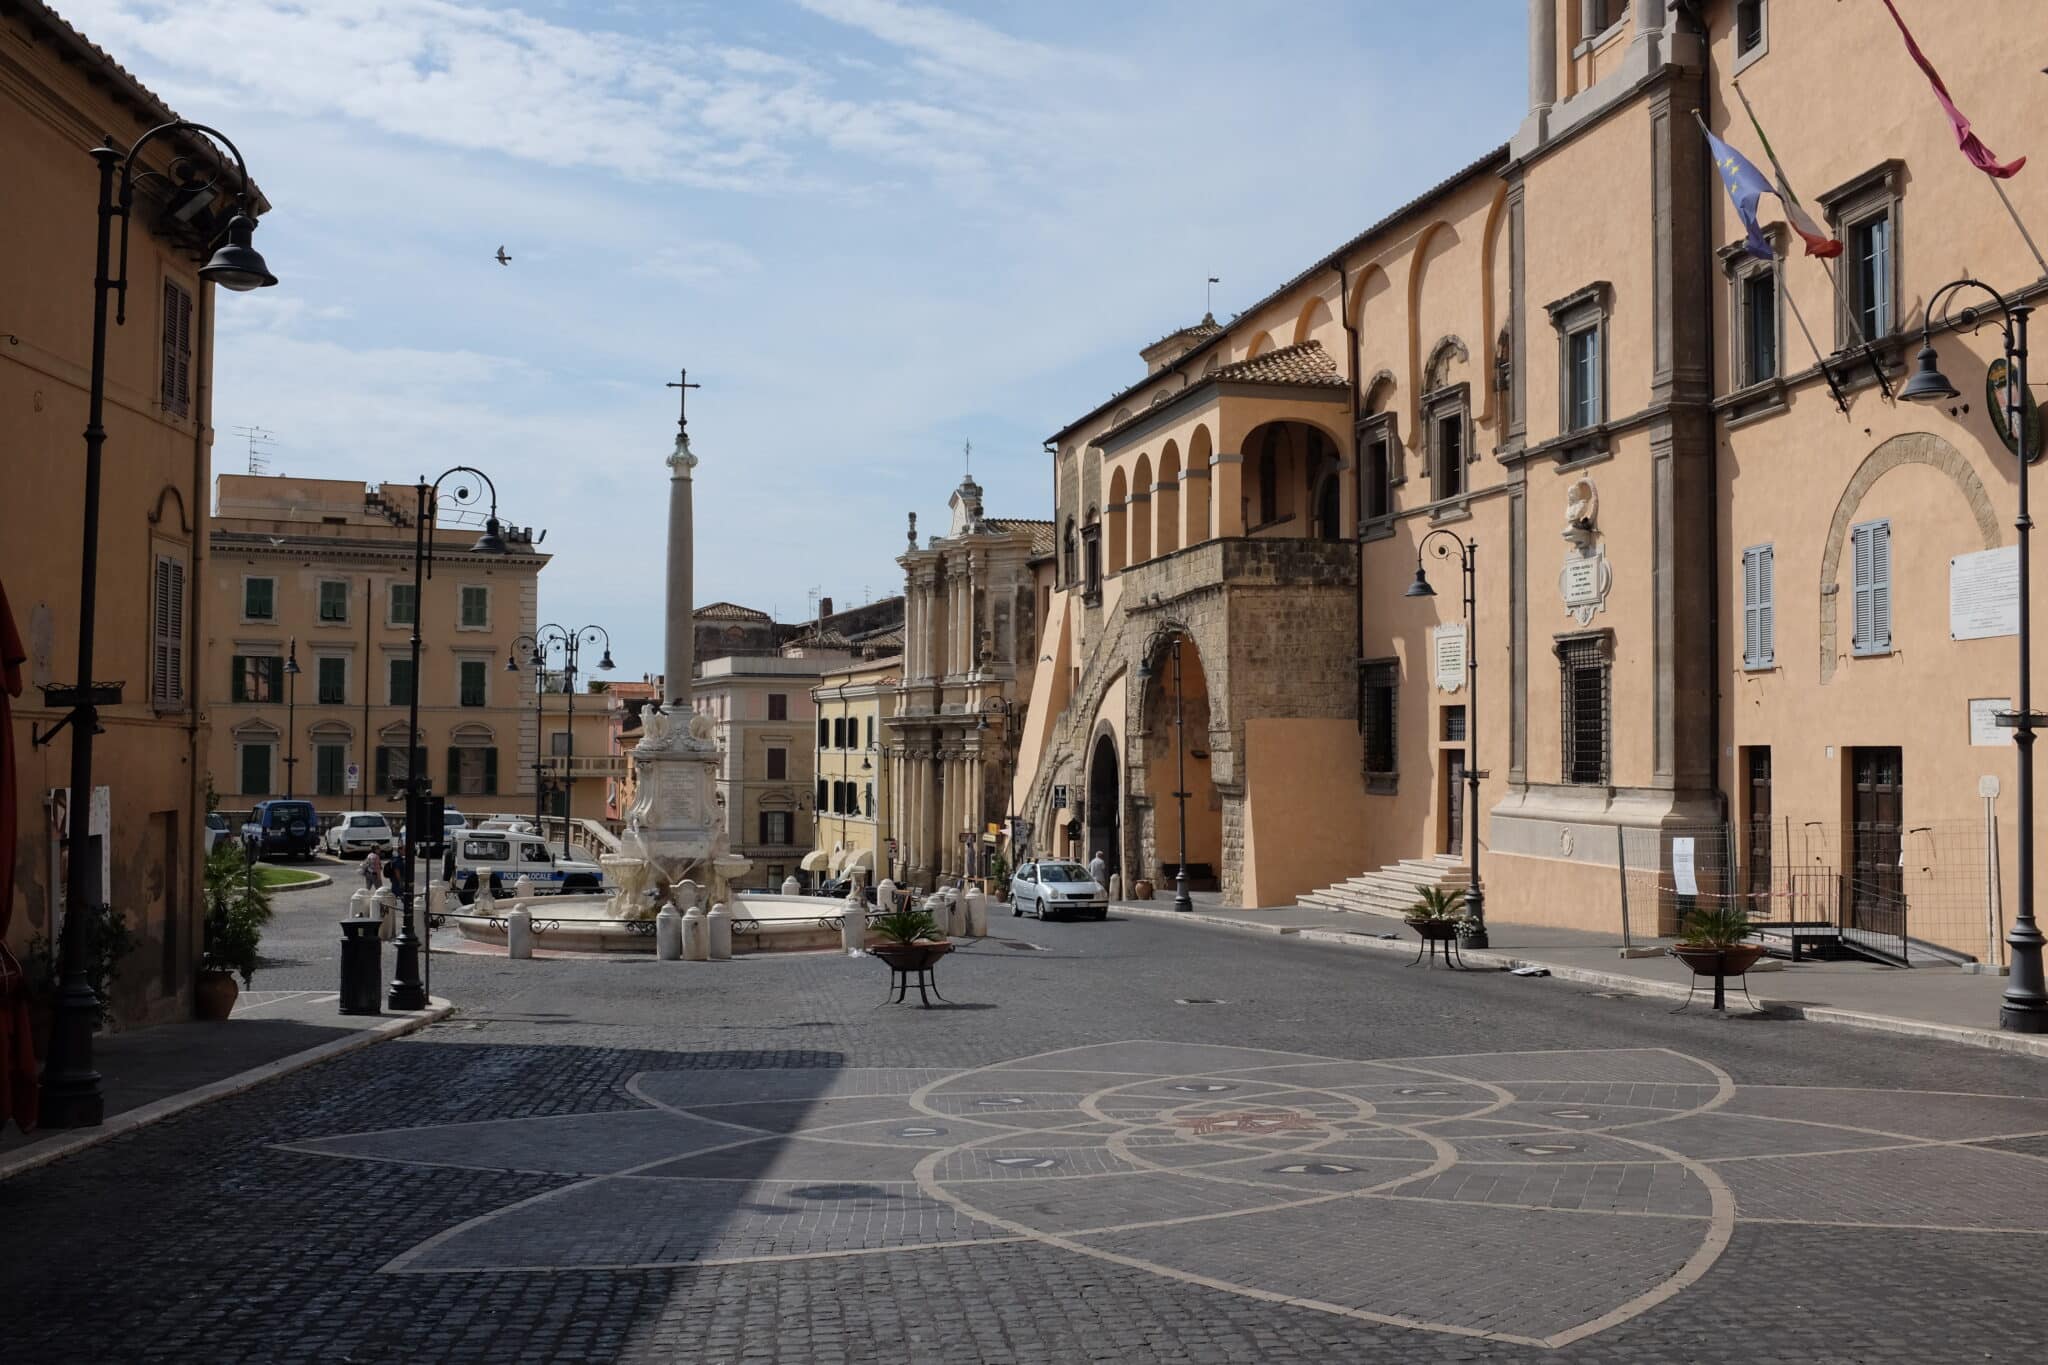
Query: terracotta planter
x,y
1434,930
911,957
214,995
1733,960
1142,889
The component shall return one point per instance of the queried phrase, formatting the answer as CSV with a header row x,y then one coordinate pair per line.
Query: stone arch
x,y
1437,373
1354,307
1114,552
1260,345
170,493
1314,314
1195,488
1166,502
1173,751
1379,393
1140,529
1912,447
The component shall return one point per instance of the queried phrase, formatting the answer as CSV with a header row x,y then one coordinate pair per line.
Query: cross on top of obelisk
x,y
683,459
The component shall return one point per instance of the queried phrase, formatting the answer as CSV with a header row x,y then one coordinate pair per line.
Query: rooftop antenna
x,y
258,439
1209,296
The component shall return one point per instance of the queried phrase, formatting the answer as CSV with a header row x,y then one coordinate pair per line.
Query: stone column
x,y
679,632
1542,55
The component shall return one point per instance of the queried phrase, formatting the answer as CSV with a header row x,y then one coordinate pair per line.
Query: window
x,y
1600,15
778,765
475,682
392,771
820,803
402,608
1872,544
399,676
1454,724
1749,27
868,801
824,733
476,607
259,599
333,680
1759,626
558,743
167,634
1269,480
839,732
775,827
1584,663
256,677
1447,447
778,706
1759,324
1864,214
256,769
1070,561
871,732
1382,678
1379,488
1584,379
177,392
330,769
472,770
1091,555
334,599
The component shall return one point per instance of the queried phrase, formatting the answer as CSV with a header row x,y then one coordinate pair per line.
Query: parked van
x,y
283,829
501,857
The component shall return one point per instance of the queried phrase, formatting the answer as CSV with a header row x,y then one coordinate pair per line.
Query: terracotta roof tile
x,y
1303,363
729,611
1041,531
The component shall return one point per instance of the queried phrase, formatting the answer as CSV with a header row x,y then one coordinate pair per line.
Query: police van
x,y
499,858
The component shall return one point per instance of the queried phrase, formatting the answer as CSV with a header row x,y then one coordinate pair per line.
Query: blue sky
x,y
873,230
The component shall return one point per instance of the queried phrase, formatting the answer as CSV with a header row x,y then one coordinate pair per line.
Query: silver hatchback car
x,y
1054,890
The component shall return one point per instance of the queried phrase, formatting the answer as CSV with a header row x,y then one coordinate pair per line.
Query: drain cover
x,y
1021,946
1311,1168
1002,1099
1201,1089
1199,1000
917,1132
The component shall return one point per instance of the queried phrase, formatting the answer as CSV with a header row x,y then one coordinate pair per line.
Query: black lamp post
x,y
570,642
71,1087
1439,543
407,992
1182,901
2026,992
291,712
540,783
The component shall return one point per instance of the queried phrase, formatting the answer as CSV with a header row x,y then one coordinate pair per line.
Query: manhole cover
x,y
1311,1168
840,1192
1199,1000
1021,946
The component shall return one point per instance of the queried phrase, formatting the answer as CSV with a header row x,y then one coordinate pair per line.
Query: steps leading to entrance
x,y
1394,888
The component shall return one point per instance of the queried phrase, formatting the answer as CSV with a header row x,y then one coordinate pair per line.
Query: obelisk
x,y
680,642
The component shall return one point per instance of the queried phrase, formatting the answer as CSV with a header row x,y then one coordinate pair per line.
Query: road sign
x,y
353,776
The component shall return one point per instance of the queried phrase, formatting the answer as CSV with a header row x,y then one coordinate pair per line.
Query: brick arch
x,y
1913,447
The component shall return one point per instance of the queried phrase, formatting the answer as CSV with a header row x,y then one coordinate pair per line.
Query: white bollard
x,y
519,932
853,924
792,887
522,890
1116,886
363,904
696,935
974,913
885,895
718,934
387,909
668,934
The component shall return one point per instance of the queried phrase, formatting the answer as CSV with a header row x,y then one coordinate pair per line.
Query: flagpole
x,y
1814,346
2006,199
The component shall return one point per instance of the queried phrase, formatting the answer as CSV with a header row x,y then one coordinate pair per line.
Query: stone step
x,y
1380,902
1435,867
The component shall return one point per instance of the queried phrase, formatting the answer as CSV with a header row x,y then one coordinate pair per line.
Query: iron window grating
x,y
1585,698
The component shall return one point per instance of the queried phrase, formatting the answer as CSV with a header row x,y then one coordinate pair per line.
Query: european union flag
x,y
1746,184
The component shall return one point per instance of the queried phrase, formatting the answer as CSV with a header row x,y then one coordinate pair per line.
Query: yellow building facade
x,y
320,572
59,96
852,797
1558,366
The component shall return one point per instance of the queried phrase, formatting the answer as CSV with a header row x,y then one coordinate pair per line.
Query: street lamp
x,y
570,642
291,711
1439,543
540,784
1182,902
2025,1009
407,992
71,1087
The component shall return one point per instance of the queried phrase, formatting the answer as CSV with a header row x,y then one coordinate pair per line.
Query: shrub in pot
x,y
237,908
1712,940
1438,913
909,939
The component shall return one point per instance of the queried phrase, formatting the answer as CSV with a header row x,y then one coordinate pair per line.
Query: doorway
x,y
1756,842
1454,801
1876,893
1105,802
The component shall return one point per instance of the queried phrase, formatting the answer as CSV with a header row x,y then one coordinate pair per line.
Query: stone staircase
x,y
1392,889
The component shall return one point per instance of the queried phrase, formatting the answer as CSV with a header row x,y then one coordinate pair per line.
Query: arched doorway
x,y
1328,514
1178,711
1105,804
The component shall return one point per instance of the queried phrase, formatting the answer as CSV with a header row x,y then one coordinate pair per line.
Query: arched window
x,y
1069,560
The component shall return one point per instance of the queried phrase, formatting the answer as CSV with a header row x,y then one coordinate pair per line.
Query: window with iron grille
x,y
1583,691
1454,724
177,392
1381,686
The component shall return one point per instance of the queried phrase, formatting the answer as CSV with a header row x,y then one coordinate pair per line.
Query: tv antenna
x,y
261,445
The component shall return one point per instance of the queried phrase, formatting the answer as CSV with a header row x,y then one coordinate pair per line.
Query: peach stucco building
x,y
1560,356
59,96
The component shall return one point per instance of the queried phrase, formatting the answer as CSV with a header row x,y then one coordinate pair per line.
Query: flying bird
x,y
503,259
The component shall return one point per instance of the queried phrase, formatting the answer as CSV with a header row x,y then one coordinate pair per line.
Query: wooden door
x,y
1876,881
1454,801
1757,846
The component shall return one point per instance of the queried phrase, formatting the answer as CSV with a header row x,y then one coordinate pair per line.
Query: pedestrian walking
x,y
1098,870
373,870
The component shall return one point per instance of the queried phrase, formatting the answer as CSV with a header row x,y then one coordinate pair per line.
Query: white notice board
x,y
1984,594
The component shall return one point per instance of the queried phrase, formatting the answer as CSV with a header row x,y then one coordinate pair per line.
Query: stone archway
x,y
1105,803
1173,750
1912,447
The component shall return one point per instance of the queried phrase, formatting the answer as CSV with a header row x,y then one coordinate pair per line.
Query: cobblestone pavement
x,y
1131,1142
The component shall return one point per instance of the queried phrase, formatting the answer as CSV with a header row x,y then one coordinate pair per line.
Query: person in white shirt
x,y
1099,870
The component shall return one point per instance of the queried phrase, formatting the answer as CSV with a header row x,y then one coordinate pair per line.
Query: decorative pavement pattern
x,y
1528,1197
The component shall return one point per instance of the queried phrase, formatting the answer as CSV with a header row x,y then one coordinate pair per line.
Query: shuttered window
x,y
1872,598
167,635
333,681
177,394
259,599
1759,618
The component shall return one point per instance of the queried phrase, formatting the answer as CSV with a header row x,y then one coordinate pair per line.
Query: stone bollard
x,y
1116,886
522,890
696,935
974,913
792,887
363,904
853,924
668,934
718,934
885,895
387,910
519,932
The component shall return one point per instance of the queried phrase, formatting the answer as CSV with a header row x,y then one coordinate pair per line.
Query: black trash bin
x,y
362,967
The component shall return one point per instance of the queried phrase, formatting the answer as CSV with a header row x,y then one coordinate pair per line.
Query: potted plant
x,y
237,908
1436,917
1711,941
909,939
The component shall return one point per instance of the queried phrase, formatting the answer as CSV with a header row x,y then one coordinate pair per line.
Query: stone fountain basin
x,y
761,923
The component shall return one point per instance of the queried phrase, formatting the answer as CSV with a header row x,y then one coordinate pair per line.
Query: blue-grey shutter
x,y
1873,587
1759,624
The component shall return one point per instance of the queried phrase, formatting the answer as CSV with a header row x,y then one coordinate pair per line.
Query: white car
x,y
1053,890
501,858
359,831
216,830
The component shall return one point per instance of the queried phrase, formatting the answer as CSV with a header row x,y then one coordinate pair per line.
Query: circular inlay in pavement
x,y
839,1192
1312,1168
